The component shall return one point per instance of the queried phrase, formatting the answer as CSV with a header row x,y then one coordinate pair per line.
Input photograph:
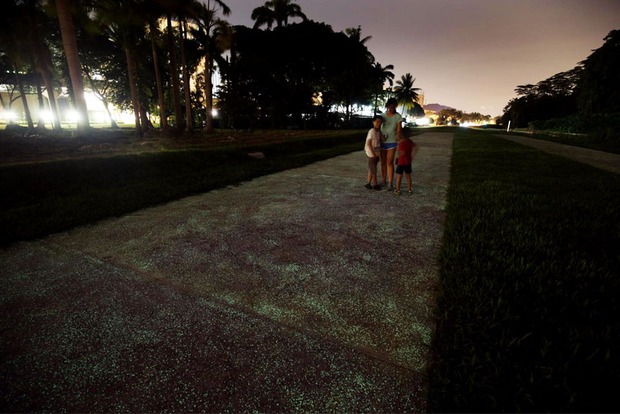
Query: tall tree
x,y
152,12
321,69
124,25
215,36
599,85
278,12
67,31
553,97
189,121
174,9
405,93
14,48
39,28
382,74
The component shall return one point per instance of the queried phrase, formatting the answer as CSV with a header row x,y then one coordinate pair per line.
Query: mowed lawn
x,y
40,198
528,315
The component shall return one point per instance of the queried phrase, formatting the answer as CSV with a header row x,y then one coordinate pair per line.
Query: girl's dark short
x,y
403,169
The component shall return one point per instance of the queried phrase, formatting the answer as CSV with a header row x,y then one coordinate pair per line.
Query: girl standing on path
x,y
392,129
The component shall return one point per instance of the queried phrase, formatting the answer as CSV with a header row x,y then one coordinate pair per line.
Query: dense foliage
x,y
588,91
292,75
158,57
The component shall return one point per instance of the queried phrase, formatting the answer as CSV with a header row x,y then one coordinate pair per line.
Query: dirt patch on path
x,y
298,291
599,159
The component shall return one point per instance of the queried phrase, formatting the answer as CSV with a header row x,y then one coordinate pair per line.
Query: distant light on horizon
x,y
423,121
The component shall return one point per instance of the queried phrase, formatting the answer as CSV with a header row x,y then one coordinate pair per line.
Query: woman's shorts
x,y
388,145
403,169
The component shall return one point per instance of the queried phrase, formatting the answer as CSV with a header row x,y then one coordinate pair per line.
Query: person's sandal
x,y
410,192
397,192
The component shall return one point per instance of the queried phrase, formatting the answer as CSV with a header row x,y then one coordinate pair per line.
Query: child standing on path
x,y
406,148
373,151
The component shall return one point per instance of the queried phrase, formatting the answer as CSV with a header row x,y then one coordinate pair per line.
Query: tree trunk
x,y
101,95
22,92
106,105
163,115
40,120
51,96
174,74
144,119
43,64
134,91
69,43
189,123
209,94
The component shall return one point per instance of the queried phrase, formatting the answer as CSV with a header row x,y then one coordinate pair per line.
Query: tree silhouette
x,y
122,21
405,93
599,84
276,11
69,41
383,74
214,36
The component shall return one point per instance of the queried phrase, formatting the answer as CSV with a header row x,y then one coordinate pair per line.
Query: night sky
x,y
467,54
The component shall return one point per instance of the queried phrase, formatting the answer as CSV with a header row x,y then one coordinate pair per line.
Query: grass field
x,y
529,317
45,197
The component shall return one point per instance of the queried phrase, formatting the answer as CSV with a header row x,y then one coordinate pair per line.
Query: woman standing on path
x,y
391,128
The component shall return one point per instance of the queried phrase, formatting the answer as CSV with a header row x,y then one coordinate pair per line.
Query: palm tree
x,y
69,42
171,8
124,25
214,36
36,28
278,11
383,74
22,24
14,48
152,13
405,93
189,121
356,34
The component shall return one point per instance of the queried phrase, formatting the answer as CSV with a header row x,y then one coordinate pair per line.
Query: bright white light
x,y
126,118
423,121
9,115
92,102
98,117
46,116
215,112
73,116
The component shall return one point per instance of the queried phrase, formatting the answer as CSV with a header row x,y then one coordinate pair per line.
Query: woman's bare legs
x,y
387,166
389,158
383,166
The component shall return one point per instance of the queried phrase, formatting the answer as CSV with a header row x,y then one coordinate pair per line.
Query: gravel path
x,y
599,159
298,291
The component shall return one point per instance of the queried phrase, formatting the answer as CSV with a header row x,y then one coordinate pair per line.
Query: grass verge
x,y
528,317
43,198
